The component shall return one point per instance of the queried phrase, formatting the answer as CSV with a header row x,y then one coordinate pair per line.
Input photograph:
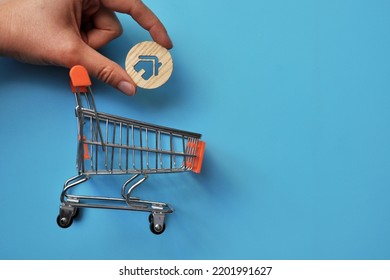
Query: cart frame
x,y
114,145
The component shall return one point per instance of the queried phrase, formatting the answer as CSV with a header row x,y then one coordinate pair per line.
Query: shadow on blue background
x,y
292,98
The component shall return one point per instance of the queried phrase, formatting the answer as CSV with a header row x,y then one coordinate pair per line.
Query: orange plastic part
x,y
77,89
196,163
86,154
79,79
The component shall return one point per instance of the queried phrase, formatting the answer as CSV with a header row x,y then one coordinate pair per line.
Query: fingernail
x,y
127,88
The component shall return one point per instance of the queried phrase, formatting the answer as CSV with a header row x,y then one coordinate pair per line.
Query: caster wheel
x,y
151,218
157,229
64,222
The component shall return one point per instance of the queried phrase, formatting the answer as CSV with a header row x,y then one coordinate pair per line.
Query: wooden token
x,y
149,64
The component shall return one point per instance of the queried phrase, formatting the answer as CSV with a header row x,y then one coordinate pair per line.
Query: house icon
x,y
147,66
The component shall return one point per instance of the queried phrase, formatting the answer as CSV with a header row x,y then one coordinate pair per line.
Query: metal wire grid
x,y
110,144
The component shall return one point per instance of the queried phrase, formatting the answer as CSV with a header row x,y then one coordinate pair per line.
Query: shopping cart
x,y
113,145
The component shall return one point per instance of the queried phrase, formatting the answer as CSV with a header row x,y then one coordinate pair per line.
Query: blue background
x,y
292,98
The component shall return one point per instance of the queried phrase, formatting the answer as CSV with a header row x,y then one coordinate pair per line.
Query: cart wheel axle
x,y
157,229
157,223
66,216
64,222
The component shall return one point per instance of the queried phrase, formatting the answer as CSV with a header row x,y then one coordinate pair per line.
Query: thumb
x,y
106,70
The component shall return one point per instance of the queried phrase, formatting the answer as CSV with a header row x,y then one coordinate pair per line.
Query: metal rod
x,y
96,115
112,149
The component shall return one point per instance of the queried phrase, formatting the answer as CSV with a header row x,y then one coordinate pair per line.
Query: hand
x,y
68,32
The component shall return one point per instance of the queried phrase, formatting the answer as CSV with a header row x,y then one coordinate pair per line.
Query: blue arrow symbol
x,y
149,65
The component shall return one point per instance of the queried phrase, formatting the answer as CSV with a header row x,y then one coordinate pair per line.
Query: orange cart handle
x,y
79,79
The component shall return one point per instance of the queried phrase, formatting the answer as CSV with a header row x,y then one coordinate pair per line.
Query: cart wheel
x,y
157,229
151,218
64,222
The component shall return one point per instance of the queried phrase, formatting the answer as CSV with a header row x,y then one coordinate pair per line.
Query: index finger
x,y
143,16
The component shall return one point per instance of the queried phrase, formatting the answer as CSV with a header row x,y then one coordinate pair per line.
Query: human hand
x,y
68,32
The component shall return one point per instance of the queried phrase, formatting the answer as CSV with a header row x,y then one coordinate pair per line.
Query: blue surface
x,y
293,100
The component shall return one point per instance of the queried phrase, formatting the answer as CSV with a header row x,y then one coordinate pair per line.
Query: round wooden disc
x,y
149,64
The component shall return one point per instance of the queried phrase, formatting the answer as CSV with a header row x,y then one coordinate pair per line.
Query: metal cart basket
x,y
113,145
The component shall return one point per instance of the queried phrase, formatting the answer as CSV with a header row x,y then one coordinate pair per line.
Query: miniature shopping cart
x,y
113,145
